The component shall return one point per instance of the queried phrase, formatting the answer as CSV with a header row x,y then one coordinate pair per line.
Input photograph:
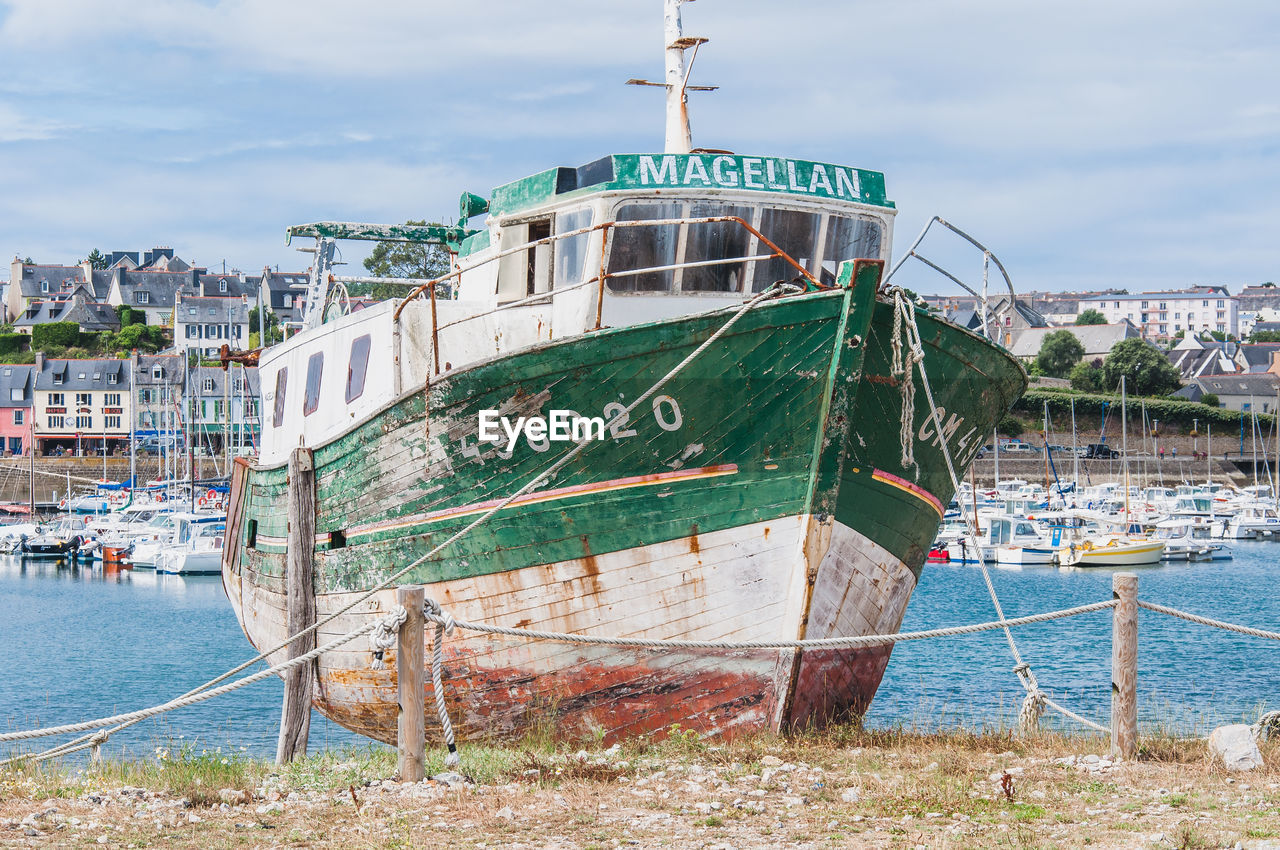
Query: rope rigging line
x,y
905,324
574,451
435,615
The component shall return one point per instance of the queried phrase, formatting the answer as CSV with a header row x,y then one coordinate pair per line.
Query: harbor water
x,y
77,644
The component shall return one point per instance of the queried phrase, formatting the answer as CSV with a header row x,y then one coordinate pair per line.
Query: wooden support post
x,y
1124,666
410,675
295,717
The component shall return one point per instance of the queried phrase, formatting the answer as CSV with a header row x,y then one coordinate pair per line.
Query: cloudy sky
x,y
1092,143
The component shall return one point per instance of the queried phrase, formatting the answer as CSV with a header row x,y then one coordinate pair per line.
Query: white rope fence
x,y
1207,621
849,642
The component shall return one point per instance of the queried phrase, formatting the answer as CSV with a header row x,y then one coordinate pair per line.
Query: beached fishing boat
x,y
771,488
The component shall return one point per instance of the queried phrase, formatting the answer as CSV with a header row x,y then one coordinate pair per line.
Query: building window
x,y
56,422
357,366
57,378
113,422
56,400
193,331
1117,305
311,398
157,373
113,378
1162,306
17,394
1221,303
237,386
1222,314
1144,305
217,410
84,423
84,399
251,408
211,331
282,381
1204,303
141,296
111,400
19,417
44,286
206,386
222,285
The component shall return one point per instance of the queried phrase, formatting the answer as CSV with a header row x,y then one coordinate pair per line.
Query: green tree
x,y
401,259
1091,317
148,339
96,259
1059,351
1209,399
1010,426
274,334
1087,377
1264,336
1145,368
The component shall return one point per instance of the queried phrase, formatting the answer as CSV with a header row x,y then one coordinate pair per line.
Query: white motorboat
x,y
197,547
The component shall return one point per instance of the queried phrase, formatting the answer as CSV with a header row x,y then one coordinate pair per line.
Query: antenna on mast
x,y
675,42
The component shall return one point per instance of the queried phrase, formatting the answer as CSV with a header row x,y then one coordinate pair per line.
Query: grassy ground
x,y
843,788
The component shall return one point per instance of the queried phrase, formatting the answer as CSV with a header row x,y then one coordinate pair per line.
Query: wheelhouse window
x,y
357,366
527,272
725,256
571,253
311,396
282,383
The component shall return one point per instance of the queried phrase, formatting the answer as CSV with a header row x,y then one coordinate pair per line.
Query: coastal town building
x,y
89,315
224,408
1255,392
1164,314
1096,339
15,409
158,383
206,324
78,405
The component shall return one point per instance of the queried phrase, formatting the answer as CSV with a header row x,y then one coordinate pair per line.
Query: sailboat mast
x,y
1124,443
1075,451
1046,448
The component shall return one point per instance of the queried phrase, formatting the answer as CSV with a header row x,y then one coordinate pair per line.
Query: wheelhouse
x,y
624,240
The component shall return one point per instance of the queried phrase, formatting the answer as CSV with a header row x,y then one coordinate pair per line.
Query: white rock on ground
x,y
1235,746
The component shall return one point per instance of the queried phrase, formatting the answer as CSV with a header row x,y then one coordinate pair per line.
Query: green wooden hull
x,y
737,504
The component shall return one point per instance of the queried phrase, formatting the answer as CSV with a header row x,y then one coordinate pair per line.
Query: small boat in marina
x,y
1188,539
196,548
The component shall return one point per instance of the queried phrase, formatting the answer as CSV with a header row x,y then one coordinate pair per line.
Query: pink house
x,y
16,385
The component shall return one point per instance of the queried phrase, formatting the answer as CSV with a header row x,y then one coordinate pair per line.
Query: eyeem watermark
x,y
560,426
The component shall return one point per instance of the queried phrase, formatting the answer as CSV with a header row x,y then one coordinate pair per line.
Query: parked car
x,y
1100,451
155,445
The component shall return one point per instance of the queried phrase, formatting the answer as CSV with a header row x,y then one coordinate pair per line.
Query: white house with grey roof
x,y
206,324
81,404
154,293
29,283
81,308
1163,314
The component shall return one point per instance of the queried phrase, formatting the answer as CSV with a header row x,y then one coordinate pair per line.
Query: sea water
x,y
76,643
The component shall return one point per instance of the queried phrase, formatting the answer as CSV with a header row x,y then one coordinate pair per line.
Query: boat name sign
x,y
771,174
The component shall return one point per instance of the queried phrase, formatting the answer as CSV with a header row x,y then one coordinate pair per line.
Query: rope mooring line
x,y
850,642
1208,621
904,323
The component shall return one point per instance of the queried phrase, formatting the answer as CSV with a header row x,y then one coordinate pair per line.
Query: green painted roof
x,y
777,175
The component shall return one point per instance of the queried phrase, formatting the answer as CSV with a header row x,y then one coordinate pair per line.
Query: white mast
x,y
676,78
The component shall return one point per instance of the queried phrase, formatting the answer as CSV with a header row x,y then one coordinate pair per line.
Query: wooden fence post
x,y
410,674
1124,666
295,716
